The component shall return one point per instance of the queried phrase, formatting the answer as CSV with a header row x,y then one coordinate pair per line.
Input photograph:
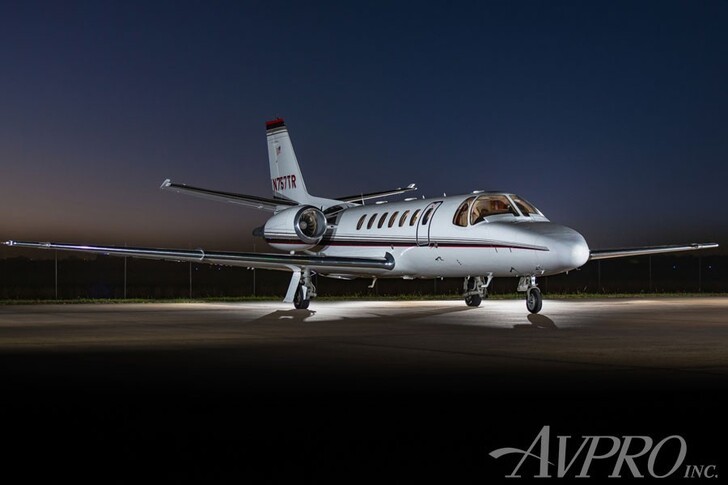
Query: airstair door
x,y
423,225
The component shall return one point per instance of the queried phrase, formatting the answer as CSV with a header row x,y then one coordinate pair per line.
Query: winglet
x,y
165,184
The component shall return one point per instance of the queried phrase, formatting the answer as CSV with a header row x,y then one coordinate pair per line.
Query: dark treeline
x,y
104,277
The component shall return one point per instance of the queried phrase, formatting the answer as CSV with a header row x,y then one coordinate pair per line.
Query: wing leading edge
x,y
627,252
232,198
251,260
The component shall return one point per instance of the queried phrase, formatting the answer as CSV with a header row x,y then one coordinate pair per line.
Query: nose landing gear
x,y
534,300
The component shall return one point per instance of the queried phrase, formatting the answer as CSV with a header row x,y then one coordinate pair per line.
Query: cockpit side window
x,y
490,205
526,208
461,215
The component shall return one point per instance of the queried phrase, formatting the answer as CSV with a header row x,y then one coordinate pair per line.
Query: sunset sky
x,y
611,117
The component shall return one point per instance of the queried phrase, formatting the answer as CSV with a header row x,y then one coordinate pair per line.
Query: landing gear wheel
x,y
473,300
534,300
298,300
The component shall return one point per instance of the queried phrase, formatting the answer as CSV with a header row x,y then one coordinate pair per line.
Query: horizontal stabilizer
x,y
239,199
627,252
250,260
375,195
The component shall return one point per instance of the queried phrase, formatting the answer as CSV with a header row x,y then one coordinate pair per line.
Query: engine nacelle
x,y
295,229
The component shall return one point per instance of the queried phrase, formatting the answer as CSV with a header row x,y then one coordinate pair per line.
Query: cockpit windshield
x,y
526,208
475,209
490,205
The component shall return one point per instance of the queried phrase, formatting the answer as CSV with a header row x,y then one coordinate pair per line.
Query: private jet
x,y
476,236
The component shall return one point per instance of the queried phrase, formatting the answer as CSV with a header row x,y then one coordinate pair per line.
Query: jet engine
x,y
295,229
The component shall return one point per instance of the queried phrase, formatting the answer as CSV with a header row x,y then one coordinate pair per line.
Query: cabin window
x,y
361,222
413,221
426,216
393,218
490,205
461,216
371,221
381,221
526,208
403,218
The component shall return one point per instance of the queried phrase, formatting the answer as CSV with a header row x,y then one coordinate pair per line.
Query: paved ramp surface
x,y
198,391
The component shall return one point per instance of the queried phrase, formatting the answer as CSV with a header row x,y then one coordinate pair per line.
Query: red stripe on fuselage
x,y
296,242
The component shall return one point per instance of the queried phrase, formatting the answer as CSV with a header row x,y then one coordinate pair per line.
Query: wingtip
x,y
165,184
705,245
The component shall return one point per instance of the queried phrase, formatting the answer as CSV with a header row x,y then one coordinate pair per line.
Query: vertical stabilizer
x,y
286,178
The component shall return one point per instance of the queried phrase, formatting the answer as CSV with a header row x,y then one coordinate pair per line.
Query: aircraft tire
x,y
534,300
298,300
473,300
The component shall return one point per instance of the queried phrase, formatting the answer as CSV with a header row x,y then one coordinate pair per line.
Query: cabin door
x,y
423,225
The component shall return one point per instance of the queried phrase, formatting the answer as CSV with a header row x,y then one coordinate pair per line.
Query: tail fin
x,y
285,173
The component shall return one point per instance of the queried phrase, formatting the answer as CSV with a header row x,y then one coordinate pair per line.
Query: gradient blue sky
x,y
611,117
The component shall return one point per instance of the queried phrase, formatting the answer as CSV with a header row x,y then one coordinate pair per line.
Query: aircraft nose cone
x,y
579,251
572,246
567,248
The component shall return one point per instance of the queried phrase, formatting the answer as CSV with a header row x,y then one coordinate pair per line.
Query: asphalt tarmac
x,y
382,390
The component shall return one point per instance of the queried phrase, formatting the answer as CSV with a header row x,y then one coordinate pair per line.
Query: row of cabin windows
x,y
393,219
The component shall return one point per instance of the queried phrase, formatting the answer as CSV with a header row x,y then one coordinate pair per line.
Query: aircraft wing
x,y
239,199
375,195
290,262
623,253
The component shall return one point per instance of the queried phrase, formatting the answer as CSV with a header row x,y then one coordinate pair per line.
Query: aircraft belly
x,y
460,262
432,261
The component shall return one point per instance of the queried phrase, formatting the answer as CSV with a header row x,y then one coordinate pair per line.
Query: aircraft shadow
x,y
432,313
537,322
294,316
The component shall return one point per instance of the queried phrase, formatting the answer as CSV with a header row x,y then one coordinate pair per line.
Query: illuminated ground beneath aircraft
x,y
680,341
195,392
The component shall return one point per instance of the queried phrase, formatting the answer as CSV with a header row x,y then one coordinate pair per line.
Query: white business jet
x,y
477,236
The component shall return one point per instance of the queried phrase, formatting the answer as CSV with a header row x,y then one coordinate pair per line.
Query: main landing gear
x,y
304,292
534,300
475,289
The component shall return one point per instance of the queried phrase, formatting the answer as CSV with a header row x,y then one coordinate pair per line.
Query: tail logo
x,y
284,183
